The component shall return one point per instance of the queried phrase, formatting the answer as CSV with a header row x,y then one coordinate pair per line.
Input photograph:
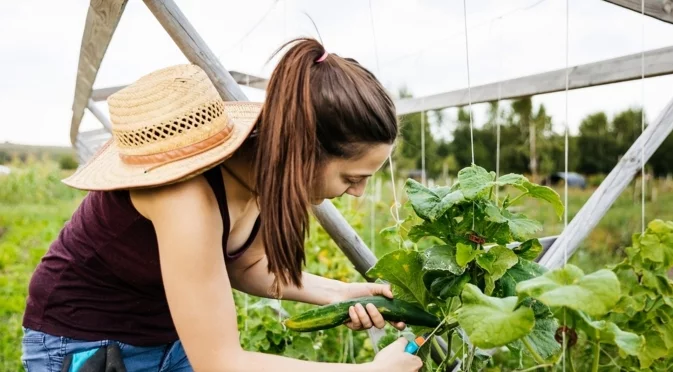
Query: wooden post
x,y
658,9
101,22
657,62
610,189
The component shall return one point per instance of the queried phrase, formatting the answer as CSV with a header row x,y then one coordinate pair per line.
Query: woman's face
x,y
349,176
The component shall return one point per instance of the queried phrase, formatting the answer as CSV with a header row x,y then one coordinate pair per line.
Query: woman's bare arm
x,y
189,230
250,274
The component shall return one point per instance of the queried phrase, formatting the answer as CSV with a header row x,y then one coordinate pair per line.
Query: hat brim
x,y
105,171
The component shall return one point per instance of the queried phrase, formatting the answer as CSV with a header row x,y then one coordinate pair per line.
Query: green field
x,y
34,205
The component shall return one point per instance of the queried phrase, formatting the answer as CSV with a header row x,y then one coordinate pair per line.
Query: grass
x,y
34,205
33,208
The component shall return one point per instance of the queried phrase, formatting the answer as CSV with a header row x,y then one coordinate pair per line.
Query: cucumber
x,y
336,314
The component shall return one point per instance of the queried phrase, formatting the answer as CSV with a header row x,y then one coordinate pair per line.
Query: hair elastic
x,y
324,56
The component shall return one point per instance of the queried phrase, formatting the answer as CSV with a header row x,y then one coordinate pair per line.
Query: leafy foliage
x,y
500,297
473,262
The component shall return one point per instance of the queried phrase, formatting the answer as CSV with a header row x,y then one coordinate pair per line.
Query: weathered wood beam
x,y
242,79
91,106
101,22
610,189
657,62
194,48
658,9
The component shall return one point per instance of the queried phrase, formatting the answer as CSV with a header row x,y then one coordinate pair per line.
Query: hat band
x,y
181,153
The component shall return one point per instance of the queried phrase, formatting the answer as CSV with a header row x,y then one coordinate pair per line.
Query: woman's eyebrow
x,y
356,175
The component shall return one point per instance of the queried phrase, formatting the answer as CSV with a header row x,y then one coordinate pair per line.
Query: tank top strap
x,y
214,178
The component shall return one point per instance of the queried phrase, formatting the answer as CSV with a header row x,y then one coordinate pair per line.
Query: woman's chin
x,y
317,201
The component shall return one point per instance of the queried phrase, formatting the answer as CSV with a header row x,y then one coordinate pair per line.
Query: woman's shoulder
x,y
193,194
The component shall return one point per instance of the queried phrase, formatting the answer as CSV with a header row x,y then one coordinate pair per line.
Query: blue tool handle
x,y
411,347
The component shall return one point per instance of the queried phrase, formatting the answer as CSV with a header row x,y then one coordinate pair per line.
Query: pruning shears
x,y
413,346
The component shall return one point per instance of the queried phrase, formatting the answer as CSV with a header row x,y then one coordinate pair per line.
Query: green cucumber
x,y
336,314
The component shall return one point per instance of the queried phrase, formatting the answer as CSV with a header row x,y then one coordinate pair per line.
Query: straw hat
x,y
166,127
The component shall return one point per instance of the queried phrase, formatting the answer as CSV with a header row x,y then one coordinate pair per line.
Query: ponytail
x,y
285,159
318,106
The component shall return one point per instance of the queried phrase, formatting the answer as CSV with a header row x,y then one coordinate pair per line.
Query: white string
x,y
497,109
565,191
423,177
469,88
565,186
396,206
642,117
469,100
433,44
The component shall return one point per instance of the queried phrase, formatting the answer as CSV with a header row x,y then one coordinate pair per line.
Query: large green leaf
x,y
491,322
439,229
402,268
493,214
659,283
655,348
520,272
465,253
444,285
656,244
474,180
511,179
544,193
521,226
541,338
529,249
441,258
498,233
430,204
603,331
595,294
496,262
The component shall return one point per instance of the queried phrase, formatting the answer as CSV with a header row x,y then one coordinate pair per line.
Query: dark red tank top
x,y
101,280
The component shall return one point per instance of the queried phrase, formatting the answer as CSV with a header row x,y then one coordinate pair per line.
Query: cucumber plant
x,y
471,274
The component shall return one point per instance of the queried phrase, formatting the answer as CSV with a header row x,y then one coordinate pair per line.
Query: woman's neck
x,y
239,169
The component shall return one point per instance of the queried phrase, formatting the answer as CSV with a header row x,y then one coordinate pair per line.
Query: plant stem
x,y
511,202
435,344
470,358
597,356
569,359
536,367
532,351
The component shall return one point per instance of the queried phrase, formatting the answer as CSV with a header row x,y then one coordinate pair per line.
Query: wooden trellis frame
x,y
103,17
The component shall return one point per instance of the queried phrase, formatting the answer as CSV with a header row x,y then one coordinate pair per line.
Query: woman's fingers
x,y
376,316
399,325
363,316
355,319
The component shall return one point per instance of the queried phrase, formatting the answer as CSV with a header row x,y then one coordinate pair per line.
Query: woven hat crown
x,y
167,115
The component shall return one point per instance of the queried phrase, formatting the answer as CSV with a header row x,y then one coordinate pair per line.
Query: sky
x,y
417,44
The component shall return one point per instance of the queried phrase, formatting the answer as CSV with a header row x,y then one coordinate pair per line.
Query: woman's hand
x,y
364,317
393,358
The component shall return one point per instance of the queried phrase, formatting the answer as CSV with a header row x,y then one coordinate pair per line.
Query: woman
x,y
188,201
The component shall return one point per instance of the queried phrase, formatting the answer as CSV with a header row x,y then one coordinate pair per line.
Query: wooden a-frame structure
x,y
103,17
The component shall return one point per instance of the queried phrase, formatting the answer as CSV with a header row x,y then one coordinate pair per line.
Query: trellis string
x,y
642,116
469,100
565,186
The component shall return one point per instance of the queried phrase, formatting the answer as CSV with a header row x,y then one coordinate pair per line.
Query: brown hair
x,y
312,111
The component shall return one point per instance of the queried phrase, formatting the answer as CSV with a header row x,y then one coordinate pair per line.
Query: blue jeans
x,y
42,352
